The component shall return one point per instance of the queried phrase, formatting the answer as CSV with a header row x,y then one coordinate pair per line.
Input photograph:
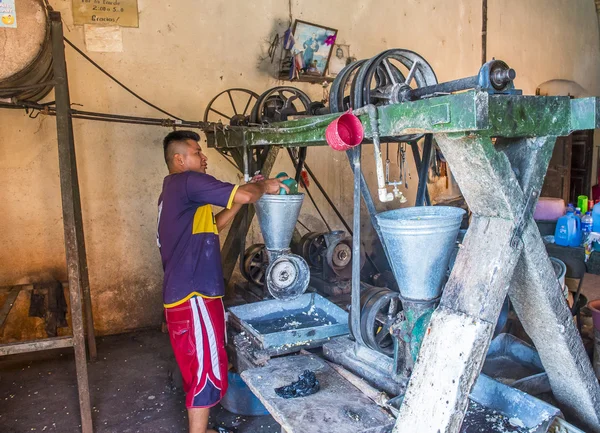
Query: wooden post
x,y
72,221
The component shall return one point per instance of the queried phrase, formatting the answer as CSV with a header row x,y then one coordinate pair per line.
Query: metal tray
x,y
496,407
302,321
517,364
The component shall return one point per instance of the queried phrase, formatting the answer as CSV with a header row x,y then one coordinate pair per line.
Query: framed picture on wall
x,y
313,45
339,58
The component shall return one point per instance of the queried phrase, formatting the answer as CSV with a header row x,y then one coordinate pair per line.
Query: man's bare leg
x,y
199,420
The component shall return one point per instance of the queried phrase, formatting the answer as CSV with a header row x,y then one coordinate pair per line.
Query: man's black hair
x,y
177,136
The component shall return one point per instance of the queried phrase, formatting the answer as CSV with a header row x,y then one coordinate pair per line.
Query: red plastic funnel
x,y
345,132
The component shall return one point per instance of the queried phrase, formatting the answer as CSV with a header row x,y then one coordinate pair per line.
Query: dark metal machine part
x,y
233,116
279,103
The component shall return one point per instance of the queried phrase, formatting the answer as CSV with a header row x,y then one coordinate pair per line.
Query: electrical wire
x,y
85,56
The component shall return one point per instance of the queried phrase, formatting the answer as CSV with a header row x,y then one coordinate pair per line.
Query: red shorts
x,y
197,331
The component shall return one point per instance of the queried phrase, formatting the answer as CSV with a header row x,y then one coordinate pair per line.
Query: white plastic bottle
x,y
587,225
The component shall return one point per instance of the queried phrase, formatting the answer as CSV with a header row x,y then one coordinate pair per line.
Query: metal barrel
x,y
419,242
277,216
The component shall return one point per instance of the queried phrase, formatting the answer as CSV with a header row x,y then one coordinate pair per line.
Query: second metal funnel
x,y
419,243
277,216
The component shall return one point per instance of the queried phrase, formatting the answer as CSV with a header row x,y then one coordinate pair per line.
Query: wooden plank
x,y
8,304
35,346
338,407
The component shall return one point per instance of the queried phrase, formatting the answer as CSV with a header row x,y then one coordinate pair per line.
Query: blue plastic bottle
x,y
565,229
575,239
596,217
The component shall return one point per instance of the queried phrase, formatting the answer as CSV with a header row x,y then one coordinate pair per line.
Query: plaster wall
x,y
184,53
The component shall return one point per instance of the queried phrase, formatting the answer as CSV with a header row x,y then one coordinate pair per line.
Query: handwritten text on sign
x,y
106,12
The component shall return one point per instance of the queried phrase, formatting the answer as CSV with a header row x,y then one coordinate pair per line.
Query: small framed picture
x,y
313,45
339,58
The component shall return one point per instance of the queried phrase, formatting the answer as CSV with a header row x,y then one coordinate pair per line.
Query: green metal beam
x,y
471,111
585,113
529,116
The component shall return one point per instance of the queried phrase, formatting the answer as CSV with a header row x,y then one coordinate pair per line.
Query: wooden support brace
x,y
501,185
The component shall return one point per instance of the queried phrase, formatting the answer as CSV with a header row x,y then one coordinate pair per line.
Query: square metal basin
x,y
276,323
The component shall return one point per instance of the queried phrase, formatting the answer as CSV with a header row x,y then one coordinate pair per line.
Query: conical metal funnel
x,y
419,243
277,216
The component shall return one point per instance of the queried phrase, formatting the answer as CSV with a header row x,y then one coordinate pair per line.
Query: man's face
x,y
194,159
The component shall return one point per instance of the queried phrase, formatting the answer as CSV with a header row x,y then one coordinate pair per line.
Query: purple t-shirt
x,y
187,235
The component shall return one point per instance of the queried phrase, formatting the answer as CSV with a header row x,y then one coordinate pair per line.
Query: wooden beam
x,y
8,304
35,346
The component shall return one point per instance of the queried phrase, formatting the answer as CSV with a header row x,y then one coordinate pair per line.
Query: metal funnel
x,y
277,216
419,243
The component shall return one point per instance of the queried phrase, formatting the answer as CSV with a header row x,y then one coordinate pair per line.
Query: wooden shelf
x,y
283,76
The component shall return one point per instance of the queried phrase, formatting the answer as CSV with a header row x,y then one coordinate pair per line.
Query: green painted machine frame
x,y
471,111
498,147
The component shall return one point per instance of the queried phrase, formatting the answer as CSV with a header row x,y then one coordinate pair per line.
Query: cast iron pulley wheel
x,y
380,308
339,97
231,107
386,78
366,293
339,258
311,248
255,264
378,314
279,103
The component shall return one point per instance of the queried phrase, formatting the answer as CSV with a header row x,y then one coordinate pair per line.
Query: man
x,y
188,240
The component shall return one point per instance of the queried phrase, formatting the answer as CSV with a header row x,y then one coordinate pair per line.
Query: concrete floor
x,y
131,391
131,384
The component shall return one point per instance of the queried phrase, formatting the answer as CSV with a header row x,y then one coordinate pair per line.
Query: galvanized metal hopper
x,y
277,216
419,243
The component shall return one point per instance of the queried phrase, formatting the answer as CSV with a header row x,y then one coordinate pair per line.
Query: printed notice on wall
x,y
8,14
122,13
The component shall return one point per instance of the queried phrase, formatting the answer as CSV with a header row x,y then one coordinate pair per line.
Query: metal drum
x,y
26,56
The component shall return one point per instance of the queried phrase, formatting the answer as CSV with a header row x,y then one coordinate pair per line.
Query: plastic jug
x,y
566,227
575,239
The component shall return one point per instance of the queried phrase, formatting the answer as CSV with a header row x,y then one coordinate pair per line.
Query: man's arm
x,y
249,193
226,215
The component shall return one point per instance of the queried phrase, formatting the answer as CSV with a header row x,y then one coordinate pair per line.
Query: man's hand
x,y
272,186
257,178
253,191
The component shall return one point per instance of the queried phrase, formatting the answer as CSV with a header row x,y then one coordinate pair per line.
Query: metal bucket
x,y
27,53
420,242
277,216
561,271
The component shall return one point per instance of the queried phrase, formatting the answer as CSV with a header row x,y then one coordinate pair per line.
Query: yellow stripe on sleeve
x,y
231,197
